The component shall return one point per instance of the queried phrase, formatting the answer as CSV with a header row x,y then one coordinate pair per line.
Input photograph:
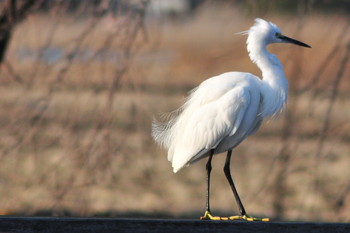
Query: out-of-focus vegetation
x,y
291,7
81,82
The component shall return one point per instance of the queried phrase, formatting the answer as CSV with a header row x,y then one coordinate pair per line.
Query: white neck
x,y
275,84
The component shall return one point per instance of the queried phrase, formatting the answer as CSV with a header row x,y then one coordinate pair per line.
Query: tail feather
x,y
184,158
162,131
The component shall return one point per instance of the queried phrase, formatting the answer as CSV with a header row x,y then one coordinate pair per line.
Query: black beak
x,y
292,41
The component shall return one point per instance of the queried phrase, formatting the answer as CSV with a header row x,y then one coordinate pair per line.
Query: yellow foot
x,y
208,216
249,218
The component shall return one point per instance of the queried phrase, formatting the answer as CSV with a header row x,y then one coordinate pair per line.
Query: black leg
x,y
208,168
229,178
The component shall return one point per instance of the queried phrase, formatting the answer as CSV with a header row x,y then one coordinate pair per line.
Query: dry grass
x,y
79,145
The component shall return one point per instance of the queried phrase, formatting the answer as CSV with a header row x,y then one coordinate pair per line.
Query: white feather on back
x,y
213,111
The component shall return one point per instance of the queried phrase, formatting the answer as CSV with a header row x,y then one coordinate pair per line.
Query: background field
x,y
79,90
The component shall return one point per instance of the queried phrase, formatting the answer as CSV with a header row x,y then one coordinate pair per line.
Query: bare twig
x,y
327,120
327,60
17,11
333,96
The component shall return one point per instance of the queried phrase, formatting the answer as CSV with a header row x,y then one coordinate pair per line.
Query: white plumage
x,y
223,110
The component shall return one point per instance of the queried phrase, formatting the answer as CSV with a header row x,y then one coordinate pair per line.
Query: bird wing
x,y
202,128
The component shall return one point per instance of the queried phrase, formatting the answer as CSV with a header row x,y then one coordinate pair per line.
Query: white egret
x,y
223,110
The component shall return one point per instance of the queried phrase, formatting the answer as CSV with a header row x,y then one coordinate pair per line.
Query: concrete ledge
x,y
80,225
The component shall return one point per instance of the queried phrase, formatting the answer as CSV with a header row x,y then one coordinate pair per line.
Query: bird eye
x,y
277,34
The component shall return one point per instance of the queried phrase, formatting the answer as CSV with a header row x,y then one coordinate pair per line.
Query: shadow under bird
x,y
224,110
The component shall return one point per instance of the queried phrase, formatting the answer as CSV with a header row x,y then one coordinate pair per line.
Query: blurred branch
x,y
41,106
12,72
129,42
68,61
13,12
58,9
323,65
333,96
99,149
327,119
340,201
26,135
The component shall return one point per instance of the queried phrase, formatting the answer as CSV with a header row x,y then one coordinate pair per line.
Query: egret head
x,y
263,32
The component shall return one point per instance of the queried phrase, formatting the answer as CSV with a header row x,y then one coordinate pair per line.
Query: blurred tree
x,y
12,12
291,6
